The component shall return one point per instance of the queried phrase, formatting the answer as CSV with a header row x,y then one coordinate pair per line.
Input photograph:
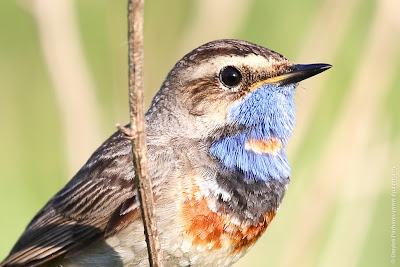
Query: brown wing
x,y
98,201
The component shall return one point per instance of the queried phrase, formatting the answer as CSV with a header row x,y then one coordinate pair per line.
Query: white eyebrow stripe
x,y
217,63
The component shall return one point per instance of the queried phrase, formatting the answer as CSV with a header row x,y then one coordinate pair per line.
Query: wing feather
x,y
79,213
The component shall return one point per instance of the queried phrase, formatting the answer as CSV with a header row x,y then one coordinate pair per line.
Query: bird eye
x,y
230,76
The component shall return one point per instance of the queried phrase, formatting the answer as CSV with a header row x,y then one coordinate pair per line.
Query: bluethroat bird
x,y
217,132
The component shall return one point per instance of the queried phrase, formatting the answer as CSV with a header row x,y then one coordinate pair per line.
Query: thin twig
x,y
137,132
128,131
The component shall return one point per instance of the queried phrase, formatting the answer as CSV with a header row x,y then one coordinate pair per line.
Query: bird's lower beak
x,y
297,73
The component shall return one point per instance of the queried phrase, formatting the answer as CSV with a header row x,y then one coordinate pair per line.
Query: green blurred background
x,y
63,78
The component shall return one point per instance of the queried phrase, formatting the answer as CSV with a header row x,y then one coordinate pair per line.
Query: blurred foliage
x,y
353,184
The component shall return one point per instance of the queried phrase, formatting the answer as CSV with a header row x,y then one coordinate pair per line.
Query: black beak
x,y
301,72
298,73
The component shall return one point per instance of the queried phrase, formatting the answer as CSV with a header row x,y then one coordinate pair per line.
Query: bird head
x,y
231,82
238,95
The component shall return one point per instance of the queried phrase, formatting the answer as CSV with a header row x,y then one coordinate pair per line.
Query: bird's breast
x,y
215,231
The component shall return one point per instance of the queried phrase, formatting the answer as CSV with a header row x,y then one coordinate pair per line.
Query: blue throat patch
x,y
266,112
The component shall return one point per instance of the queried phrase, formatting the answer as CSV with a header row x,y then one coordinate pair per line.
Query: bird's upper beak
x,y
296,74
